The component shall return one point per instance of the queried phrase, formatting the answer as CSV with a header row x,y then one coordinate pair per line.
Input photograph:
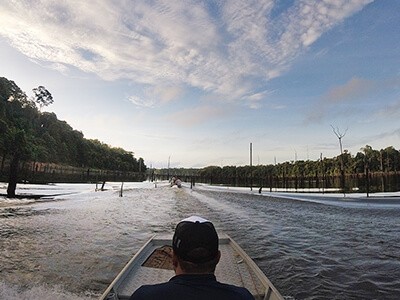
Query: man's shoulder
x,y
151,291
179,288
240,292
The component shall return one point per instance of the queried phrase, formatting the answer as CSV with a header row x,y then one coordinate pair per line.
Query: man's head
x,y
195,245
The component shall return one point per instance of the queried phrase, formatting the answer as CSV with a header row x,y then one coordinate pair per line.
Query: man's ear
x,y
174,260
177,267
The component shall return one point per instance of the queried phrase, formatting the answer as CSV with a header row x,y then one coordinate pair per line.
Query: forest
x,y
369,170
29,135
384,160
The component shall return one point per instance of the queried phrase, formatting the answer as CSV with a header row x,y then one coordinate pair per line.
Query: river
x,y
72,245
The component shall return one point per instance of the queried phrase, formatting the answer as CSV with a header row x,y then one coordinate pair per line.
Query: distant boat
x,y
176,181
153,264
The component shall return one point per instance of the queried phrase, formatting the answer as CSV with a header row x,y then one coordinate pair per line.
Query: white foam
x,y
42,292
377,200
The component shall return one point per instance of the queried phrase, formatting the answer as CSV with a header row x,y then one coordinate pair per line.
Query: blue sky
x,y
198,81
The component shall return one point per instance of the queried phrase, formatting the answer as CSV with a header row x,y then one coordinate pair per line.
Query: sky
x,y
195,82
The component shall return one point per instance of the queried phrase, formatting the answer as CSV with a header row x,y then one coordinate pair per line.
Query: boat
x,y
153,264
176,181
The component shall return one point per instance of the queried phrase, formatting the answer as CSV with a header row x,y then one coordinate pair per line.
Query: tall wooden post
x,y
251,166
169,160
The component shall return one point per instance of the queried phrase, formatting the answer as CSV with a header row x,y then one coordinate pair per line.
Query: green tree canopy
x,y
28,134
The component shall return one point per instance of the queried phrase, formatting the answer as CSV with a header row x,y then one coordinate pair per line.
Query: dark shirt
x,y
192,287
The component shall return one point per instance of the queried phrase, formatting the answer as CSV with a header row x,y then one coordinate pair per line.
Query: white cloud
x,y
193,116
156,95
229,51
140,102
165,94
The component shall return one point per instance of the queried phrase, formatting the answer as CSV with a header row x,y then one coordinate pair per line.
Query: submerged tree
x,y
340,135
13,143
20,153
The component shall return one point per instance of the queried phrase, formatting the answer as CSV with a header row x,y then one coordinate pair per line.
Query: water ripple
x,y
308,250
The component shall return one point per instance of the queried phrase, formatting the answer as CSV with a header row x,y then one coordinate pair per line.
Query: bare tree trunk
x,y
3,159
382,174
367,179
340,135
122,189
13,177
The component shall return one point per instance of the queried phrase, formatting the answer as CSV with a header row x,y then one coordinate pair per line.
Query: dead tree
x,y
340,135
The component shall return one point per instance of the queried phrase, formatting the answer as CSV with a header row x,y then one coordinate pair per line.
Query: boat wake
x,y
43,292
353,200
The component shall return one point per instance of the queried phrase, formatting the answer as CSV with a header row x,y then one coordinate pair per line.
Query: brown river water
x,y
72,246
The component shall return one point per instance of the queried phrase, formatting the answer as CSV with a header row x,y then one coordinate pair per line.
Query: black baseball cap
x,y
195,240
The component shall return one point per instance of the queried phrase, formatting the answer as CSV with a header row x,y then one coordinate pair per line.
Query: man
x,y
195,256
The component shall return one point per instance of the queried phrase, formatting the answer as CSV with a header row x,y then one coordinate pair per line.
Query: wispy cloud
x,y
391,110
229,49
366,140
140,102
156,95
354,90
194,116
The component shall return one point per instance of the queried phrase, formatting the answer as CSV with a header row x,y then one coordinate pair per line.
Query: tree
x,y
13,142
340,135
391,157
4,143
42,96
20,152
18,116
372,157
9,91
28,134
